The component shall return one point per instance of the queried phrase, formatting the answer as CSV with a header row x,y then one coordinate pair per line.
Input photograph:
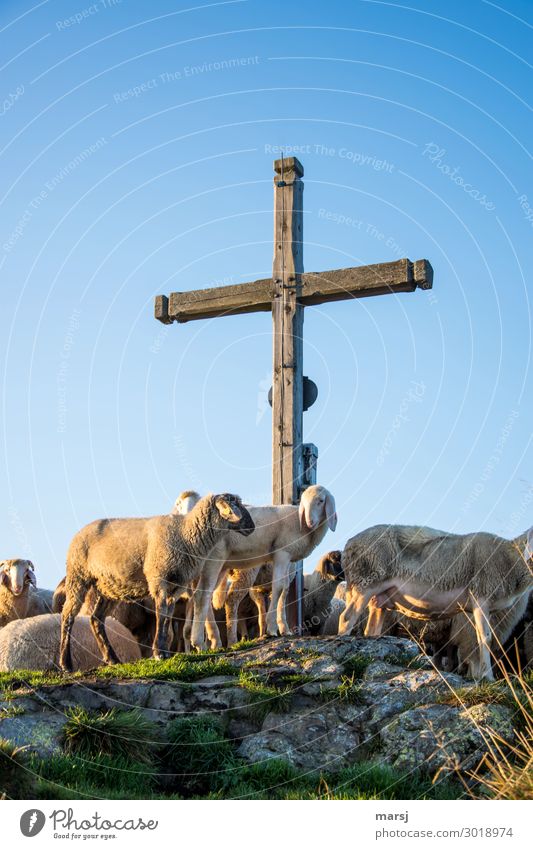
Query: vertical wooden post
x,y
287,369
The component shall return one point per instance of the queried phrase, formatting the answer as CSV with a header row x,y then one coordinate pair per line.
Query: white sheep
x,y
284,535
428,574
129,559
34,643
16,577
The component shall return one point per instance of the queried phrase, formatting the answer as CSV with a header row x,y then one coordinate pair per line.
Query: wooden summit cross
x,y
285,294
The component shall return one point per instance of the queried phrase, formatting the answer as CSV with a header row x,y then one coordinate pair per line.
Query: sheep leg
x,y
75,596
201,601
276,617
187,626
483,633
374,625
211,627
97,619
356,603
259,599
164,608
233,600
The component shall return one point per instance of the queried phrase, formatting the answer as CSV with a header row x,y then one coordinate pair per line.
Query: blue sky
x,y
136,145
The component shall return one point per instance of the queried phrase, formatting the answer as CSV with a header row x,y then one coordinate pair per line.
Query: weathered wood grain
x,y
316,288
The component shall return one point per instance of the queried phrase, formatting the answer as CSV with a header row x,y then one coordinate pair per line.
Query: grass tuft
x,y
349,691
117,733
356,665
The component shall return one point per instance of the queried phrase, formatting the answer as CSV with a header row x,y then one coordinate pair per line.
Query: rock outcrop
x,y
319,703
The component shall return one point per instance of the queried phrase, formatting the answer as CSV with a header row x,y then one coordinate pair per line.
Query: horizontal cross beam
x,y
316,288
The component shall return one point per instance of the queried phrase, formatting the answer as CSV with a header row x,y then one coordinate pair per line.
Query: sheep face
x,y
17,574
317,505
331,567
185,502
233,515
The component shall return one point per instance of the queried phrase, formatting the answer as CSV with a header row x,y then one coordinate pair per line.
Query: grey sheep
x,y
428,574
34,644
16,578
129,559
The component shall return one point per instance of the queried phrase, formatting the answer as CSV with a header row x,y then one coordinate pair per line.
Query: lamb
x,y
319,589
284,534
34,643
16,577
129,559
428,574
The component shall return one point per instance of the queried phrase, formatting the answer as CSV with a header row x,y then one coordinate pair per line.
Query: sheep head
x,y
185,502
232,514
330,567
17,574
317,505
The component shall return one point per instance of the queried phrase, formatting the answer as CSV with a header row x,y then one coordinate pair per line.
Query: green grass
x,y
10,711
16,779
102,776
117,733
406,659
198,761
199,755
244,644
276,779
265,698
349,691
356,665
180,667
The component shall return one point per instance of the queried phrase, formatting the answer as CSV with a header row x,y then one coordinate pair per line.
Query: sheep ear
x,y
303,515
229,513
31,577
331,515
4,577
321,567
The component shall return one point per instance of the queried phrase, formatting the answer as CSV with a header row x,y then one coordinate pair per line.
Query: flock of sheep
x,y
214,570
